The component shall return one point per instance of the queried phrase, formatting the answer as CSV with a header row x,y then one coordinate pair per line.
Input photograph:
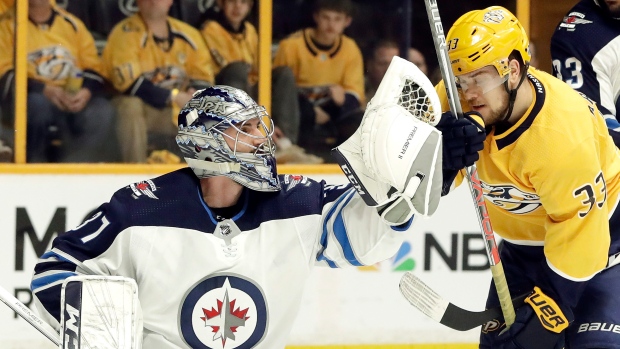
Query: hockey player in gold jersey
x,y
156,62
550,174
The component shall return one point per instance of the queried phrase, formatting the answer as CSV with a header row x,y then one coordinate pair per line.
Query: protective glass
x,y
482,80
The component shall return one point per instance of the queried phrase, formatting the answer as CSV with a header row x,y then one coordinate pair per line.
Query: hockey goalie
x,y
216,255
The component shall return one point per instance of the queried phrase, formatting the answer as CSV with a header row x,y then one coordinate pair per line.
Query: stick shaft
x,y
475,186
22,310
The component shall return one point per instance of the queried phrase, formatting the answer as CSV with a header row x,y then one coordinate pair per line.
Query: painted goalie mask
x,y
203,140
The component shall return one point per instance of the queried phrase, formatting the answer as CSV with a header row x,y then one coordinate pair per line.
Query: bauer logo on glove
x,y
548,311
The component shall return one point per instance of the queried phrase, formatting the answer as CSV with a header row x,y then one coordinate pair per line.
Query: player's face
x,y
380,62
331,24
247,136
235,11
484,92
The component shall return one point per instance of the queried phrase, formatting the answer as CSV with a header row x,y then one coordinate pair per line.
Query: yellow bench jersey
x,y
132,53
54,48
316,67
552,179
227,47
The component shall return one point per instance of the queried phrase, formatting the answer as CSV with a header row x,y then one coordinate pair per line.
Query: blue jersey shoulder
x,y
584,31
172,200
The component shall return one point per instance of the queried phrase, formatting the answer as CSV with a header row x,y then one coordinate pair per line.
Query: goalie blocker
x,y
100,312
394,158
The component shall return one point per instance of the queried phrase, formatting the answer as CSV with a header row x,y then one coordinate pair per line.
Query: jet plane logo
x,y
223,312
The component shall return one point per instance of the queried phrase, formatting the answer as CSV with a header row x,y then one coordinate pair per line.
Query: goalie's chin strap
x,y
218,167
512,94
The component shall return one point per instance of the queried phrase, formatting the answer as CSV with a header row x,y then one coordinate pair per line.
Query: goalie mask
x,y
215,125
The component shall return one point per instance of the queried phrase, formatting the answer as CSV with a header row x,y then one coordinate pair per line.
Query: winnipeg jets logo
x,y
223,312
144,188
225,320
569,22
511,198
493,16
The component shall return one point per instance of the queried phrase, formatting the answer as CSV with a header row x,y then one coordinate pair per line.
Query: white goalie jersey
x,y
207,282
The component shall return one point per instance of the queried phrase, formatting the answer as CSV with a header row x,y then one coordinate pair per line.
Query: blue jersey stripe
x,y
51,254
46,280
331,263
612,123
340,231
329,216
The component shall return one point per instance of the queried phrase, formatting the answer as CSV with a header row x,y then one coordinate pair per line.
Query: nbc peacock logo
x,y
402,261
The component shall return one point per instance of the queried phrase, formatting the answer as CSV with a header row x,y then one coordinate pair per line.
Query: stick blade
x,y
422,297
434,306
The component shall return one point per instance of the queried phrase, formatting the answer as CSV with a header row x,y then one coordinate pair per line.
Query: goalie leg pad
x,y
100,312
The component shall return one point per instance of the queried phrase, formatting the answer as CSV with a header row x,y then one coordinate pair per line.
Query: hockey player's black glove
x,y
540,324
462,139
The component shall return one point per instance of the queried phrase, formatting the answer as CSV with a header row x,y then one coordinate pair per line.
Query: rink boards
x,y
357,308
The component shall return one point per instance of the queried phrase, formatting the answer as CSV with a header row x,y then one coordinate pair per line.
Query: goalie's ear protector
x,y
486,37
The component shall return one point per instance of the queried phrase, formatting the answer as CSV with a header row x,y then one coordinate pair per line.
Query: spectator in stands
x,y
328,69
377,64
379,60
233,43
416,57
156,62
64,80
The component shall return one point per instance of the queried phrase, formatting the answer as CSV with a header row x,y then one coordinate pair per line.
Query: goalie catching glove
x,y
394,162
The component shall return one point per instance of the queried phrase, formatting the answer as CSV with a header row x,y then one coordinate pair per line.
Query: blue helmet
x,y
202,140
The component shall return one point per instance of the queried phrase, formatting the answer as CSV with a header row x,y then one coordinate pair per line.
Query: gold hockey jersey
x,y
227,47
132,53
54,48
316,67
553,178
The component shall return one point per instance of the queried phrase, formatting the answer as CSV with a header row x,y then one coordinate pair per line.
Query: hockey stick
x,y
22,310
434,306
475,186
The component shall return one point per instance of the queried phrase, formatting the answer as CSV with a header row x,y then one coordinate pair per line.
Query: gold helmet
x,y
486,37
